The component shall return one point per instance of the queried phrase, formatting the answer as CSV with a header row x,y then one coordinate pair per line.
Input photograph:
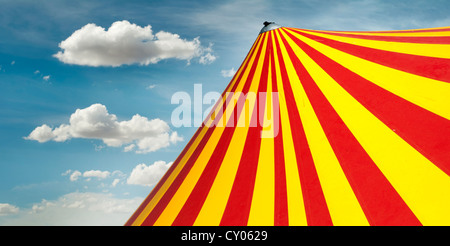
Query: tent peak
x,y
269,26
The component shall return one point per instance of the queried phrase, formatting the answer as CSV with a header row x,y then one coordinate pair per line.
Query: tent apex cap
x,y
268,26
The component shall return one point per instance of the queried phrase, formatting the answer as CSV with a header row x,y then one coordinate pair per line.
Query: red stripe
x,y
427,132
443,29
173,166
165,199
315,205
430,67
196,199
281,206
379,200
239,202
161,205
157,210
243,67
162,181
401,39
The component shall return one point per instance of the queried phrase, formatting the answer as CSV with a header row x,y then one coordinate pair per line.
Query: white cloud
x,y
140,175
95,122
96,174
174,138
150,87
8,209
75,175
127,43
129,148
46,77
39,207
41,134
228,73
115,182
148,175
67,172
116,176
77,209
207,59
98,147
151,144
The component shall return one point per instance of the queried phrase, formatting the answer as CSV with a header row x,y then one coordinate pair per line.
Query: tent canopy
x,y
320,128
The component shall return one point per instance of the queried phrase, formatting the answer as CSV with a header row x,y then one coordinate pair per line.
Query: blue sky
x,y
85,134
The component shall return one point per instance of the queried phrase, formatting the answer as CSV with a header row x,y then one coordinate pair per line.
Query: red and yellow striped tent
x,y
347,128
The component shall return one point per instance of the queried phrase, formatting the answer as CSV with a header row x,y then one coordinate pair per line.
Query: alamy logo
x,y
233,109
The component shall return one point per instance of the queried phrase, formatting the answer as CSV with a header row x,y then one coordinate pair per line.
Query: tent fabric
x,y
347,128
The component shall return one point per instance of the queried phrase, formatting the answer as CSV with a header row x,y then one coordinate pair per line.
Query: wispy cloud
x,y
243,19
77,208
233,19
8,209
228,73
150,87
96,174
92,174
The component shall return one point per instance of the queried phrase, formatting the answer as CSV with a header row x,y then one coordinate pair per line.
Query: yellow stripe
x,y
431,50
418,29
263,200
296,208
152,203
430,94
342,203
179,198
423,186
216,201
226,111
391,34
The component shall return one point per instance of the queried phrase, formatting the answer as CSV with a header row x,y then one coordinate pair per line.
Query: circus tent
x,y
320,128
